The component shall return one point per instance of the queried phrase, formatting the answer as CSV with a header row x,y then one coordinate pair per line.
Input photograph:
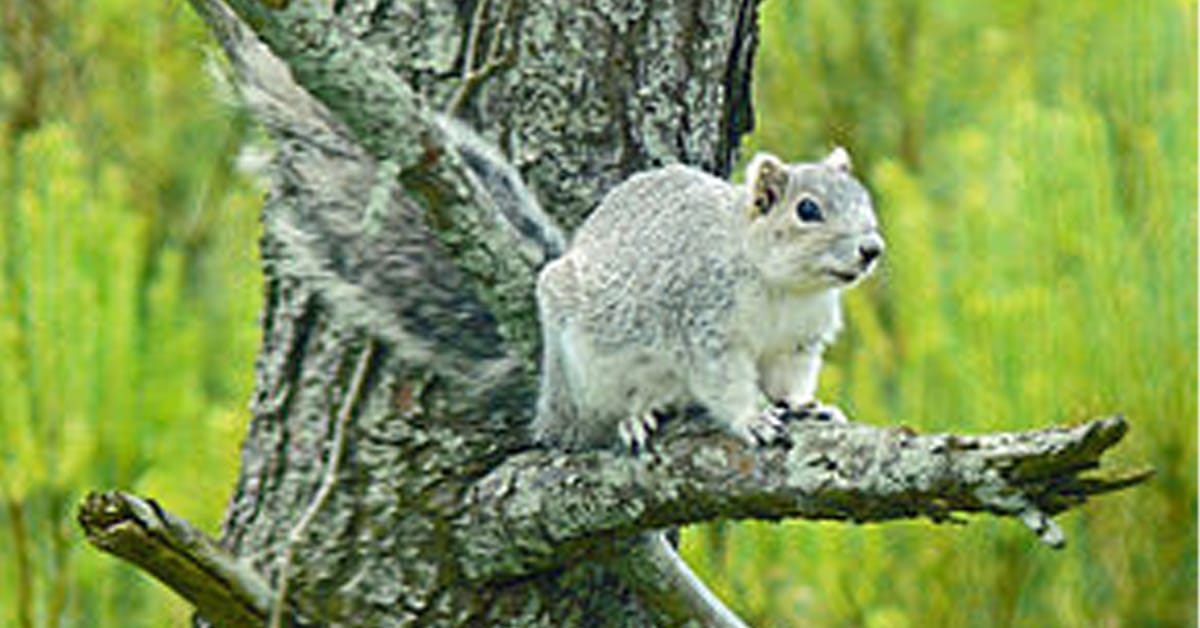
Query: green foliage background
x,y
1034,165
129,289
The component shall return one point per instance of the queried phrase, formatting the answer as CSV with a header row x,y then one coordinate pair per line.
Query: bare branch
x,y
543,508
472,75
225,590
328,480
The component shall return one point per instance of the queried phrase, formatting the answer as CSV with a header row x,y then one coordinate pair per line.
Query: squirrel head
x,y
811,226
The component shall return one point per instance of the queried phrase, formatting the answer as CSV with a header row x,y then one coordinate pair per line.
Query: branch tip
x,y
223,589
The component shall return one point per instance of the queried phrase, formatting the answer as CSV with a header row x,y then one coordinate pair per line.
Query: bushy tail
x,y
541,238
340,219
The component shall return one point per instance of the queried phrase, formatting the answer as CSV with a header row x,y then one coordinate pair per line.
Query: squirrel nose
x,y
870,250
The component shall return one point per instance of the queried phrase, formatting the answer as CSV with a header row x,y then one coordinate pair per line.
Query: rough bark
x,y
541,510
368,235
387,477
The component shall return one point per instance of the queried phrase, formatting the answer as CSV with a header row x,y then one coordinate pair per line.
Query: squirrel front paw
x,y
810,411
762,429
635,431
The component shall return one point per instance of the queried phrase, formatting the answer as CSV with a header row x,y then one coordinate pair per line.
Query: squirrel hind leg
x,y
556,408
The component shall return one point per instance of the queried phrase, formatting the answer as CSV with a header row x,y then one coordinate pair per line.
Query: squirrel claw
x,y
812,411
764,429
635,431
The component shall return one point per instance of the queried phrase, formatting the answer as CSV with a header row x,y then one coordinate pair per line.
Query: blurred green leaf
x,y
128,294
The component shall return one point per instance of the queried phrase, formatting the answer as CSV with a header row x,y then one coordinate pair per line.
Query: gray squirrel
x,y
683,288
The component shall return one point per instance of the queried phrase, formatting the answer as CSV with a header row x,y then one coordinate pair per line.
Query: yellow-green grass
x,y
128,295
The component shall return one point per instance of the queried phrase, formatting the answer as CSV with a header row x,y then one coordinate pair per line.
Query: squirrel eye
x,y
808,210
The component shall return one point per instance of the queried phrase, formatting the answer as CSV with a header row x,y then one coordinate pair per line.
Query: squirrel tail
x,y
542,239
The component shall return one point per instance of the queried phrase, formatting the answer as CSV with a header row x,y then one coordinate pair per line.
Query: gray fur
x,y
683,288
349,230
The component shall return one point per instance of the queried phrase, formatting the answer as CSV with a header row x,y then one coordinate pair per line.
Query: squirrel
x,y
682,288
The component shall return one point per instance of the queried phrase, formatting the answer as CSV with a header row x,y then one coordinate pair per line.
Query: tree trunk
x,y
587,94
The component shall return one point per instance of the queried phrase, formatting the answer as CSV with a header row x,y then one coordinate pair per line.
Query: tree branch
x,y
544,508
224,590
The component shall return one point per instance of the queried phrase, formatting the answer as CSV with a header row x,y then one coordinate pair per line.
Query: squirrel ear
x,y
839,159
766,177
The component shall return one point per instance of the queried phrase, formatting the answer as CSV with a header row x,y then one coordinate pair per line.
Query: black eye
x,y
808,210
